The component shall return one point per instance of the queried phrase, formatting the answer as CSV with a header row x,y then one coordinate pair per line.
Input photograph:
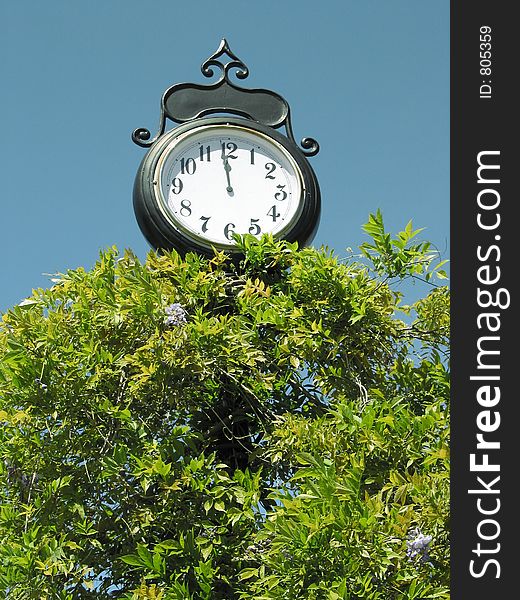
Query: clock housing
x,y
213,176
206,180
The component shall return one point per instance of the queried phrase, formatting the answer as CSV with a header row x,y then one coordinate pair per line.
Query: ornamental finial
x,y
233,63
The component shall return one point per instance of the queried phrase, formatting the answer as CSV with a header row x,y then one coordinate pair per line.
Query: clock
x,y
204,181
212,177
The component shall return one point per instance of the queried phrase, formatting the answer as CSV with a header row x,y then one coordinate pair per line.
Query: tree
x,y
192,428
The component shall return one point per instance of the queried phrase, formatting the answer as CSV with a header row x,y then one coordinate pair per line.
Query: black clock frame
x,y
189,105
158,230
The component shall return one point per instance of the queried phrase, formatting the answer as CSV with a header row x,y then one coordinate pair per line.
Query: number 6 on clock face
x,y
219,177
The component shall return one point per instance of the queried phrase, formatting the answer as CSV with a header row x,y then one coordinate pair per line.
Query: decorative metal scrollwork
x,y
188,101
236,63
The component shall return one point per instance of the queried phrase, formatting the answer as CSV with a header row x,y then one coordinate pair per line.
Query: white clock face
x,y
220,180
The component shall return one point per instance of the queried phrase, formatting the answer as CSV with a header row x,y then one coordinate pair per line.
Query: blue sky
x,y
368,79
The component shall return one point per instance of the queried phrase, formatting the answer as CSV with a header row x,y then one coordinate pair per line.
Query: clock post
x,y
211,177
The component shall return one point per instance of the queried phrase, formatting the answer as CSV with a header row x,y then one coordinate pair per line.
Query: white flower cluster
x,y
258,547
418,545
175,315
40,384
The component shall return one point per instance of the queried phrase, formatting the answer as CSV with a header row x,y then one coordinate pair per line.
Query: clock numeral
x,y
273,213
255,229
177,186
205,153
205,224
188,166
185,208
282,194
229,230
231,147
252,156
270,167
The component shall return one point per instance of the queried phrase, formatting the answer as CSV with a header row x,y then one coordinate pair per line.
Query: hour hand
x,y
227,169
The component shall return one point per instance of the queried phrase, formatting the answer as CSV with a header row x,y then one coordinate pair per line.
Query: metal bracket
x,y
185,102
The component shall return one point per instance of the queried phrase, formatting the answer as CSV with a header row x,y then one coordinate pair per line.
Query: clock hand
x,y
227,169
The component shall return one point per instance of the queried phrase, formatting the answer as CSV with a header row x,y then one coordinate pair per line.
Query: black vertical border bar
x,y
481,124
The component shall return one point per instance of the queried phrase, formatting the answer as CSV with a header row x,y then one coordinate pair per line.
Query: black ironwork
x,y
185,102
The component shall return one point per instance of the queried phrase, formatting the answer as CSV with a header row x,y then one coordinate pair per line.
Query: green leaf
x,y
247,574
132,559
